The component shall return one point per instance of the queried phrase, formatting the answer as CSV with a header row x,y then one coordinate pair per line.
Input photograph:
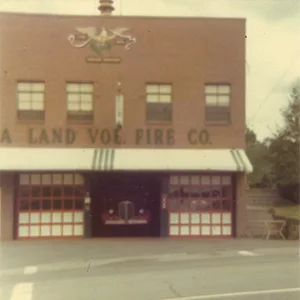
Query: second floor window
x,y
217,103
159,102
80,101
30,100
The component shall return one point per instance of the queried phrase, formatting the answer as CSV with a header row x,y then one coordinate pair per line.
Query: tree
x,y
257,152
284,146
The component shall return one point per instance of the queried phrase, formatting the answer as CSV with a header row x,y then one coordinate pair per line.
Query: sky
x,y
273,42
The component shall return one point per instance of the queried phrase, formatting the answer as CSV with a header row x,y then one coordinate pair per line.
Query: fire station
x,y
122,126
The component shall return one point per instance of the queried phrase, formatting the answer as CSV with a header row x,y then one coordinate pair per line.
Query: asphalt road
x,y
268,276
17,254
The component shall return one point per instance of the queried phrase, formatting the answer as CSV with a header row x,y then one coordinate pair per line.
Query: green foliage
x,y
276,160
257,152
289,212
284,145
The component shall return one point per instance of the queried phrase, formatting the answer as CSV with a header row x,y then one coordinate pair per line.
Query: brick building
x,y
122,126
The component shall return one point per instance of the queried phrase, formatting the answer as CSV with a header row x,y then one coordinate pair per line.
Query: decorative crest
x,y
101,41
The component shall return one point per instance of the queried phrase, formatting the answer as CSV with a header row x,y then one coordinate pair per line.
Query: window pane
x,y
37,97
191,191
73,97
46,204
68,191
224,89
37,106
165,98
152,88
24,86
174,191
216,205
226,204
165,89
152,98
87,87
86,106
210,89
79,204
184,179
24,191
73,87
24,97
226,191
174,204
87,98
216,180
38,87
174,180
211,100
24,105
68,179
205,192
184,204
36,192
226,180
24,179
79,179
57,192
195,180
57,179
35,204
35,179
68,204
205,180
73,106
46,178
47,191
57,204
223,100
24,205
79,192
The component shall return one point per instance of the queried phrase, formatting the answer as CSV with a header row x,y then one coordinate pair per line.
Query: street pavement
x,y
150,269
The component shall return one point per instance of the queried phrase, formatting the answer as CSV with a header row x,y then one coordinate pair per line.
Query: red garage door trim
x,y
50,205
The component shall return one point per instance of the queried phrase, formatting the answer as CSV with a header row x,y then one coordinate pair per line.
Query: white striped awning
x,y
91,159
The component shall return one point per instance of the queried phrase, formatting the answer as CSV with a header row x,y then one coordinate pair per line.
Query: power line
x,y
274,87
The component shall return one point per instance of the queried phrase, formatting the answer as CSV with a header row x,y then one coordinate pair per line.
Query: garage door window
x,y
50,205
200,205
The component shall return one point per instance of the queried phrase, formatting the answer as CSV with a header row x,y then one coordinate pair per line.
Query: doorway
x,y
125,204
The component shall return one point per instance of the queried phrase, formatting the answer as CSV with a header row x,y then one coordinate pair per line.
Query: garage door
x,y
50,205
200,205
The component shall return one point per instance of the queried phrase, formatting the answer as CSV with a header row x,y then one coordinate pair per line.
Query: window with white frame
x,y
80,101
217,103
159,102
30,100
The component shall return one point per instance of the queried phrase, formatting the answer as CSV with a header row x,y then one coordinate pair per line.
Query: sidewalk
x,y
19,254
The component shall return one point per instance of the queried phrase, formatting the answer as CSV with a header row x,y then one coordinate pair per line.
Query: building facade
x,y
122,126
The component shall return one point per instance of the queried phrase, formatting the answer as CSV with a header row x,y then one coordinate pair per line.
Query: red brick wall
x,y
185,52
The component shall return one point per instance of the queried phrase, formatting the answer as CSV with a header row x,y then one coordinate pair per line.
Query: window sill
x,y
218,123
30,121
